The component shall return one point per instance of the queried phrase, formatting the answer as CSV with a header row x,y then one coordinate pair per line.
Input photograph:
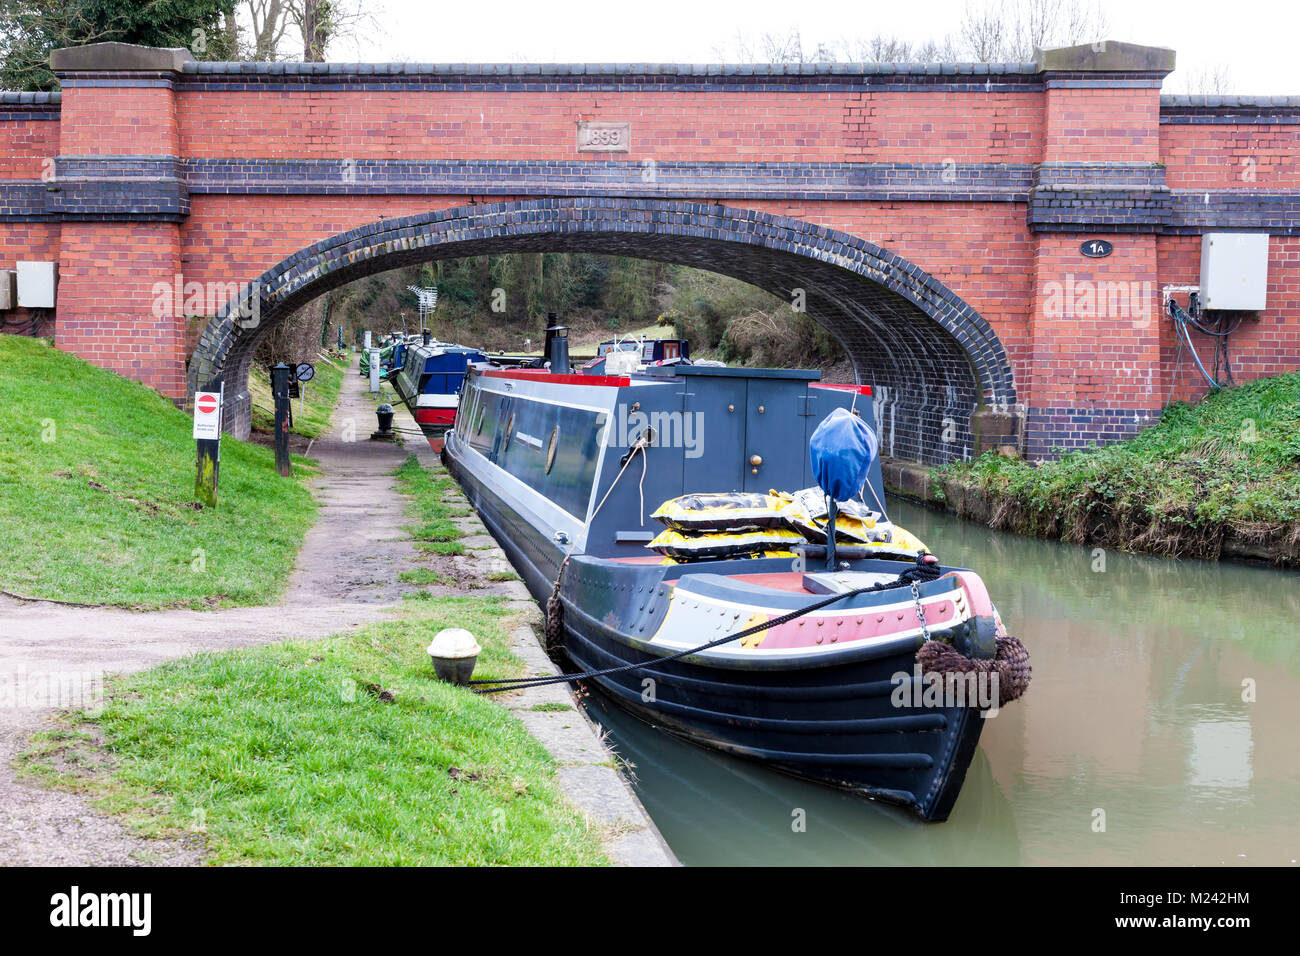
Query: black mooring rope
x,y
921,571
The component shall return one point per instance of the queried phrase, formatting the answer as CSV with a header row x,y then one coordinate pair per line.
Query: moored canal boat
x,y
565,470
428,380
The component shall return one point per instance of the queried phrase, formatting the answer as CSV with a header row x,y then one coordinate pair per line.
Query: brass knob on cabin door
x,y
755,460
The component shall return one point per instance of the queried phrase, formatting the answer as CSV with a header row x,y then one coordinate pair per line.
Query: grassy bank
x,y
1225,471
337,752
311,412
96,488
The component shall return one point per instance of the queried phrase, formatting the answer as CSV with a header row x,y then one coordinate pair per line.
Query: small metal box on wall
x,y
1234,271
8,289
36,284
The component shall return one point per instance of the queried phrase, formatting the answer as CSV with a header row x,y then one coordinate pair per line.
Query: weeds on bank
x,y
1231,462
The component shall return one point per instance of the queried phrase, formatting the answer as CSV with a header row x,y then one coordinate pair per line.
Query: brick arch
x,y
931,358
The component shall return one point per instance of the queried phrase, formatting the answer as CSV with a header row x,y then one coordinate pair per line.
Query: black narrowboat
x,y
565,470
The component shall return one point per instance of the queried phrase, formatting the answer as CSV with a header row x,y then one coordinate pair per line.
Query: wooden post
x,y
280,392
208,466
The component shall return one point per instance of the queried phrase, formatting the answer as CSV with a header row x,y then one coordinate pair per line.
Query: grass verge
x,y
311,412
1227,466
344,751
96,487
433,529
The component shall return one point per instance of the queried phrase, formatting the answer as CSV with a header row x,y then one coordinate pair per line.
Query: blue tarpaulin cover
x,y
841,451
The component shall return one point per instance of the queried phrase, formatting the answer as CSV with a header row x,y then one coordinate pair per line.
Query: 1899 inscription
x,y
604,137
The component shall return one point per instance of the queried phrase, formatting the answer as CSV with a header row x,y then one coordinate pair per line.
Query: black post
x,y
280,392
831,509
208,467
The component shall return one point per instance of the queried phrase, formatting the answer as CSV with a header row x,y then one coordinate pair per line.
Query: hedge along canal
x,y
1220,479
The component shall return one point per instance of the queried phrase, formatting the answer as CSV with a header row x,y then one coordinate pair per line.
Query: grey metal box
x,y
36,281
1234,270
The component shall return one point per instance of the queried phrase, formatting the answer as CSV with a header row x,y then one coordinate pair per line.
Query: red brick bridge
x,y
931,217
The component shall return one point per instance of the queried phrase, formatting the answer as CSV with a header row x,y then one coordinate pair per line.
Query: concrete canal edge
x,y
588,773
973,503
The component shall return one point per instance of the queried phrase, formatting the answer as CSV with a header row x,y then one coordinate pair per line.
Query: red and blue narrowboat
x,y
428,379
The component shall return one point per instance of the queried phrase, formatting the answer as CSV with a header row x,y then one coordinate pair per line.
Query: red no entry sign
x,y
207,415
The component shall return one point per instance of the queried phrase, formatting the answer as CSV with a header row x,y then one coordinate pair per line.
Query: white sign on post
x,y
207,414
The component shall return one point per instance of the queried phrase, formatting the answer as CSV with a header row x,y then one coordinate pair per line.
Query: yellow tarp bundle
x,y
712,526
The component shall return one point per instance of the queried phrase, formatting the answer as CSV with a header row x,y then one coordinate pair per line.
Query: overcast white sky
x,y
1255,40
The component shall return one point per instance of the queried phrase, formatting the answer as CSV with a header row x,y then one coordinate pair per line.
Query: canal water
x,y
1133,745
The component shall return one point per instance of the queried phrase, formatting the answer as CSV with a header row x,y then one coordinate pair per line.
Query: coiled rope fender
x,y
1010,663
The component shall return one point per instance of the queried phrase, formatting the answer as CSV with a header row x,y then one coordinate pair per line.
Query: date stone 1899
x,y
604,137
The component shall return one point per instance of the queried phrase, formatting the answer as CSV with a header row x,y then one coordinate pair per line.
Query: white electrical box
x,y
8,289
36,281
1234,270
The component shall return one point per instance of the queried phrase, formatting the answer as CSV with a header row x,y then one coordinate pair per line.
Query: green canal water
x,y
1136,712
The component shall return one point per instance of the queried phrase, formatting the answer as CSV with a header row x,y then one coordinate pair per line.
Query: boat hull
x,y
832,717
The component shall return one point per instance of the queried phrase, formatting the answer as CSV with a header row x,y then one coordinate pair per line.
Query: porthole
x,y
550,448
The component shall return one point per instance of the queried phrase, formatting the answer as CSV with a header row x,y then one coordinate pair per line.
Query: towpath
x,y
347,575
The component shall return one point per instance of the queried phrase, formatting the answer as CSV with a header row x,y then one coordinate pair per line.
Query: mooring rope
x,y
921,571
553,629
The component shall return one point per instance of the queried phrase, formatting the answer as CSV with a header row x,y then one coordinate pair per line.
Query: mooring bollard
x,y
385,415
454,653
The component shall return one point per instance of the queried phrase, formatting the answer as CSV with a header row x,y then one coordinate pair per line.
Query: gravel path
x,y
50,655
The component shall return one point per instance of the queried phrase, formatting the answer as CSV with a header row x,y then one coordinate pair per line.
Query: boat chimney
x,y
557,344
424,334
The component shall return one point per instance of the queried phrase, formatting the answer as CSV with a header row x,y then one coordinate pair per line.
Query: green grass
x,y
320,395
434,530
424,576
96,489
1233,460
345,751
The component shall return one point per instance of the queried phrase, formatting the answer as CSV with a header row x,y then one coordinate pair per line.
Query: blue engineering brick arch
x,y
932,360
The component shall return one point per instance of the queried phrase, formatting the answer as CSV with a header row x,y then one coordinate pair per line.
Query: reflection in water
x,y
1135,716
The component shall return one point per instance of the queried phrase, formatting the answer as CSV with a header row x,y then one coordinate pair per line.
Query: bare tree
x,y
1208,80
888,49
1012,30
268,26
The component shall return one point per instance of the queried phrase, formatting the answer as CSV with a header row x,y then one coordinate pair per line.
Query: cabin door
x,y
714,419
774,444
